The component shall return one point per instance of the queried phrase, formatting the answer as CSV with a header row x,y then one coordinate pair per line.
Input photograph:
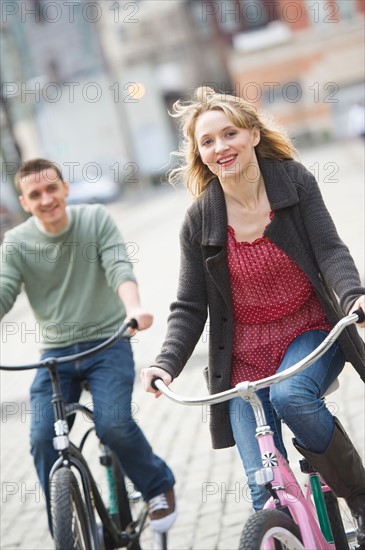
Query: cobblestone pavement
x,y
211,488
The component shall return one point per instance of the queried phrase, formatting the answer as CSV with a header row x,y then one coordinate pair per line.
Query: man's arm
x,y
10,276
129,296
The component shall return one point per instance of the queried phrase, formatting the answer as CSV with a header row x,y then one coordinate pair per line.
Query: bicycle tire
x,y
267,525
70,522
335,519
125,518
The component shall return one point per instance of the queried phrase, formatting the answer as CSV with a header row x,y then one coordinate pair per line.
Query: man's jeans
x,y
295,401
110,377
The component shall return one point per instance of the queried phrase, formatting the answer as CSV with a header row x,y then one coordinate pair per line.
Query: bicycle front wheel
x,y
270,529
71,527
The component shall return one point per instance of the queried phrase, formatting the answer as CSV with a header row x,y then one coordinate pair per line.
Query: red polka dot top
x,y
273,303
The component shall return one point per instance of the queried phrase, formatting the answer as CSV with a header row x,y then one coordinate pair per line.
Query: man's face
x,y
44,195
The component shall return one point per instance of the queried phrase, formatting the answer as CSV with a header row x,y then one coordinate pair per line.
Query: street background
x,y
211,487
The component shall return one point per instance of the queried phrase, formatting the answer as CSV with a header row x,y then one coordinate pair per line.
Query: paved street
x,y
211,490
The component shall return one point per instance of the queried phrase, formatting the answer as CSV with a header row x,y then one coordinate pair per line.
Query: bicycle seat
x,y
332,388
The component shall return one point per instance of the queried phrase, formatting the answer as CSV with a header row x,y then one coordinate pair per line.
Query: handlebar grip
x,y
133,324
361,315
153,382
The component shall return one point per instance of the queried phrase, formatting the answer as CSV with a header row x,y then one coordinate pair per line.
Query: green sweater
x,y
71,279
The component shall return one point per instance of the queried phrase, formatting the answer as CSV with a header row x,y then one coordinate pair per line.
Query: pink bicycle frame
x,y
276,470
289,492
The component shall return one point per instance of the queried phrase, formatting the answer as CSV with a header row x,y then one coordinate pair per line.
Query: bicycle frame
x,y
286,491
276,473
69,454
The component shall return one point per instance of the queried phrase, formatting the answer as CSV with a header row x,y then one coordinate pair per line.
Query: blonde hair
x,y
274,143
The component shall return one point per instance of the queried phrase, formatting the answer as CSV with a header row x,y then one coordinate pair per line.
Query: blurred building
x,y
301,61
158,51
56,86
89,84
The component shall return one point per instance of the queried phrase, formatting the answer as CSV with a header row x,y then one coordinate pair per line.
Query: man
x,y
73,264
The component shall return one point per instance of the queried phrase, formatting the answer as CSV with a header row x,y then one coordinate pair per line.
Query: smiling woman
x,y
261,254
229,153
212,112
226,149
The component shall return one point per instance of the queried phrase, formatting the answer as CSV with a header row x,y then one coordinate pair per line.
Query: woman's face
x,y
228,151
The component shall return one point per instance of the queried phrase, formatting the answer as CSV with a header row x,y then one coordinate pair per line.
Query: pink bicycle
x,y
290,519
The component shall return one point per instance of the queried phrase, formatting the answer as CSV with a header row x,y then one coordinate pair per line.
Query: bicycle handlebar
x,y
45,363
246,388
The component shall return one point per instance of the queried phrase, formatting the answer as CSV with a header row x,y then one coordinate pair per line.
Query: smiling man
x,y
44,194
71,262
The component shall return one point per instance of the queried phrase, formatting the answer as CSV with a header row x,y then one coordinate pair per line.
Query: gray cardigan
x,y
303,228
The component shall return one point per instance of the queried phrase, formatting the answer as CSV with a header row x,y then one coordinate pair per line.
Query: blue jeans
x,y
296,401
110,377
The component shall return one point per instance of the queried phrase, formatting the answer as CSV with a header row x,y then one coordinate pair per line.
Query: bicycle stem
x,y
61,440
248,393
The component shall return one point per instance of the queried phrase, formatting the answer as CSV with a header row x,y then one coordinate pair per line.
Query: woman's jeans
x,y
295,401
110,377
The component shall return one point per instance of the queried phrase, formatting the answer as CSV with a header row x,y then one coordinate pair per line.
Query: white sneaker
x,y
162,511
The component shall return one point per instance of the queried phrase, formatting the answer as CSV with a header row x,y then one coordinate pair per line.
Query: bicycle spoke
x,y
286,540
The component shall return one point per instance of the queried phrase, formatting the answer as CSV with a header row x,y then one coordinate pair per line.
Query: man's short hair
x,y
35,166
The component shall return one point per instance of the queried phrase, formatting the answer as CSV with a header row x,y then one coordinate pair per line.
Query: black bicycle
x,y
81,518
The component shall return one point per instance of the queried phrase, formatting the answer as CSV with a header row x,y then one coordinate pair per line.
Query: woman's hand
x,y
147,376
359,304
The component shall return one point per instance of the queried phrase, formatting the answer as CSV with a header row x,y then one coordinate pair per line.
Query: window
x,y
275,93
322,12
38,10
245,15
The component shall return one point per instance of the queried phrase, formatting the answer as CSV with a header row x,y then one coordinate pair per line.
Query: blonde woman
x,y
261,254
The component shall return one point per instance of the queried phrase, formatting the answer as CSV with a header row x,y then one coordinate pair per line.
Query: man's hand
x,y
129,295
143,318
147,376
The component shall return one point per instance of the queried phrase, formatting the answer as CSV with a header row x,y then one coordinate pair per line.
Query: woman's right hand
x,y
147,375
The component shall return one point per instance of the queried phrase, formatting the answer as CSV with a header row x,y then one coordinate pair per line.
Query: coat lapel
x,y
214,216
280,188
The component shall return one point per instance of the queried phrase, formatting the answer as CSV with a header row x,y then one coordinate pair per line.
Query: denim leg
x,y
42,419
244,429
111,378
297,400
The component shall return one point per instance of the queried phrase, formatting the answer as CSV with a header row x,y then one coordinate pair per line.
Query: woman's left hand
x,y
359,304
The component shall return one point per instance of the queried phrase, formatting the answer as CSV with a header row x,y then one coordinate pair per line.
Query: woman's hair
x,y
35,166
274,143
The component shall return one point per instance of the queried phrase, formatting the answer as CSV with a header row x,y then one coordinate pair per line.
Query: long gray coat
x,y
303,228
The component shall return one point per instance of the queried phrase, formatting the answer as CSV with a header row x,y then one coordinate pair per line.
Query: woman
x,y
260,252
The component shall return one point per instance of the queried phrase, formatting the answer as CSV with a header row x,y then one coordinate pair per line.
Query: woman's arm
x,y
189,312
333,257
